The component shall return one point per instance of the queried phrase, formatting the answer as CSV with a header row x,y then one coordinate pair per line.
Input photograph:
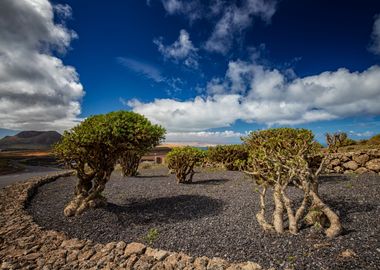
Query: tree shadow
x,y
166,209
213,182
152,176
333,178
346,208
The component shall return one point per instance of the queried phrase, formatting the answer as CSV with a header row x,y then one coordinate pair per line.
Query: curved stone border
x,y
24,244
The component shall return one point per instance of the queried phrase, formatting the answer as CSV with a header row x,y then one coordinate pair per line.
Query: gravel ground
x,y
215,216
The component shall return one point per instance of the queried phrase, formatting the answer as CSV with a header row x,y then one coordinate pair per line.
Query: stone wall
x,y
25,245
365,161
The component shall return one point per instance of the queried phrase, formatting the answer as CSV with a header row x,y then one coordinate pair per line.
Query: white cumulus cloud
x,y
192,9
254,93
182,50
37,90
235,20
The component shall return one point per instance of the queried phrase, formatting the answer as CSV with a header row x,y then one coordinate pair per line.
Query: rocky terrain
x,y
26,245
215,217
364,161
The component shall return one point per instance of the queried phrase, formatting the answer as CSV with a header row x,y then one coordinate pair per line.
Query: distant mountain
x,y
7,132
30,140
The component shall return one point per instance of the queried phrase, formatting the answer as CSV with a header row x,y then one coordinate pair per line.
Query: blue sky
x,y
209,71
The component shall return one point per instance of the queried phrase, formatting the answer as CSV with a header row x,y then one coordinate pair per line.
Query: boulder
x,y
361,159
335,162
338,169
134,248
351,165
361,170
373,165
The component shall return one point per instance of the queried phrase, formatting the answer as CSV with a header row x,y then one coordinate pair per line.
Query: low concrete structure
x,y
157,155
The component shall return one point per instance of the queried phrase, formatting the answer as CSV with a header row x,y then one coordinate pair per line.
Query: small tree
x,y
277,158
231,156
182,160
337,140
129,162
93,147
130,159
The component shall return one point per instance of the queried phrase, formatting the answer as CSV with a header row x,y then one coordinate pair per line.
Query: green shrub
x,y
93,147
182,160
233,157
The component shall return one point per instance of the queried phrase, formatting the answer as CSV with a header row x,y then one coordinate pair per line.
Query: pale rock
x,y
200,263
361,170
86,255
134,248
351,165
159,255
373,165
361,159
72,244
217,264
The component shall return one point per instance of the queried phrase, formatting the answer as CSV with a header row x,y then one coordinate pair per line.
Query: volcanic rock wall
x,y
365,161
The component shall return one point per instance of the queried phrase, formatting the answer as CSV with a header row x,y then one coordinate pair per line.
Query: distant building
x,y
156,155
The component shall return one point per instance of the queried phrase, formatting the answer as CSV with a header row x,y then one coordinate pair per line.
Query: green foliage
x,y
182,160
93,147
151,236
374,140
337,140
99,140
231,156
279,154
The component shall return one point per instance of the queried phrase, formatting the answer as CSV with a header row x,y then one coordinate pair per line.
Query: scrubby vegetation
x,y
232,157
282,157
182,160
93,147
130,159
337,140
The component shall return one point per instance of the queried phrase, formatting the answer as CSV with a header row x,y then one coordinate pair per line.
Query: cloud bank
x,y
37,90
254,93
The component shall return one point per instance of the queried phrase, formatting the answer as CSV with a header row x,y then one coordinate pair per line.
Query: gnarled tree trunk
x,y
88,193
260,216
335,226
278,210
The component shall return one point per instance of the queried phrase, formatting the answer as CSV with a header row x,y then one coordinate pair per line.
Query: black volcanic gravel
x,y
215,216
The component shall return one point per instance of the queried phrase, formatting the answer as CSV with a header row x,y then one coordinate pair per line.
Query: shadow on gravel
x,y
346,208
209,182
334,178
166,209
152,176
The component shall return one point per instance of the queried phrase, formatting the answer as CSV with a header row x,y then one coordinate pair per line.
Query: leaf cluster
x,y
231,156
99,140
182,161
279,155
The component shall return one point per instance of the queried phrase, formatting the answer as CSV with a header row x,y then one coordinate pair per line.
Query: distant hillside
x,y
30,140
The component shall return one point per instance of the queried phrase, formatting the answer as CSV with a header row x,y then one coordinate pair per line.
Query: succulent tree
x,y
231,156
93,147
280,157
336,140
130,159
182,160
